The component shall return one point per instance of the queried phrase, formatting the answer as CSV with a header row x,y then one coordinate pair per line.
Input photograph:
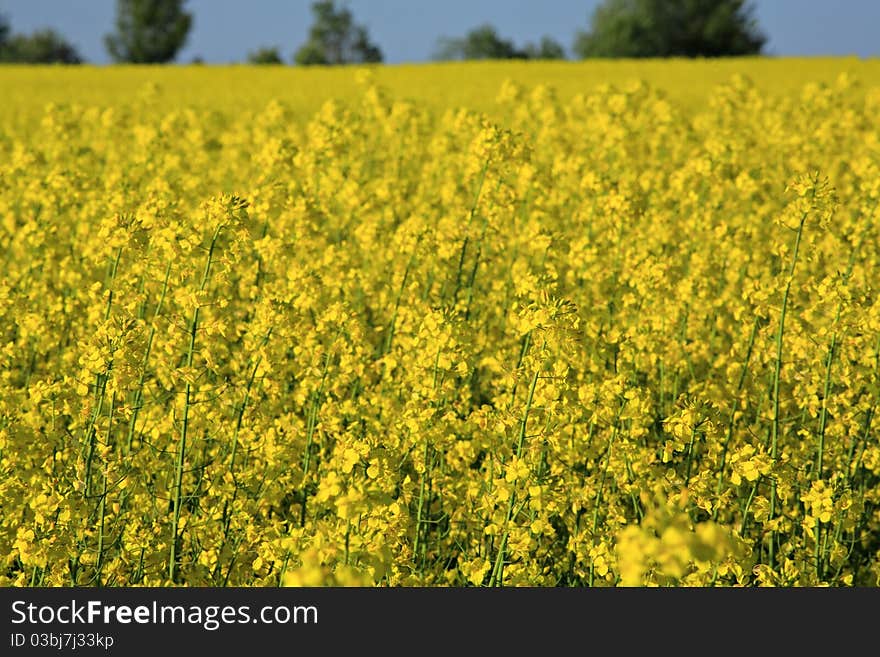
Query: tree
x,y
547,49
148,31
671,28
41,47
334,38
265,55
481,42
4,31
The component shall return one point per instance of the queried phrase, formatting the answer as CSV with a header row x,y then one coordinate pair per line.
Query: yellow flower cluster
x,y
606,340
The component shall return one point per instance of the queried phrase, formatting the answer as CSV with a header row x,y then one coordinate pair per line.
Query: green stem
x,y
419,511
748,506
690,452
464,244
823,417
473,276
102,513
100,384
244,403
498,570
731,422
139,393
184,428
774,441
310,434
393,323
595,521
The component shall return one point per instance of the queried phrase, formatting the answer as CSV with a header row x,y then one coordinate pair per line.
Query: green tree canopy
x,y
265,55
671,28
4,30
334,38
484,42
148,31
41,47
548,48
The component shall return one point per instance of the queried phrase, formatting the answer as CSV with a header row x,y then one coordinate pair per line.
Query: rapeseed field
x,y
466,324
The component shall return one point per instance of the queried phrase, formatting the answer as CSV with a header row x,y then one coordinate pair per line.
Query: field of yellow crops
x,y
471,324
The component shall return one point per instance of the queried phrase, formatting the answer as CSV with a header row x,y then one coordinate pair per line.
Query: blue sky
x,y
407,30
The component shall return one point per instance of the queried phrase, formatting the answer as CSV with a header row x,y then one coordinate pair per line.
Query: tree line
x,y
154,31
